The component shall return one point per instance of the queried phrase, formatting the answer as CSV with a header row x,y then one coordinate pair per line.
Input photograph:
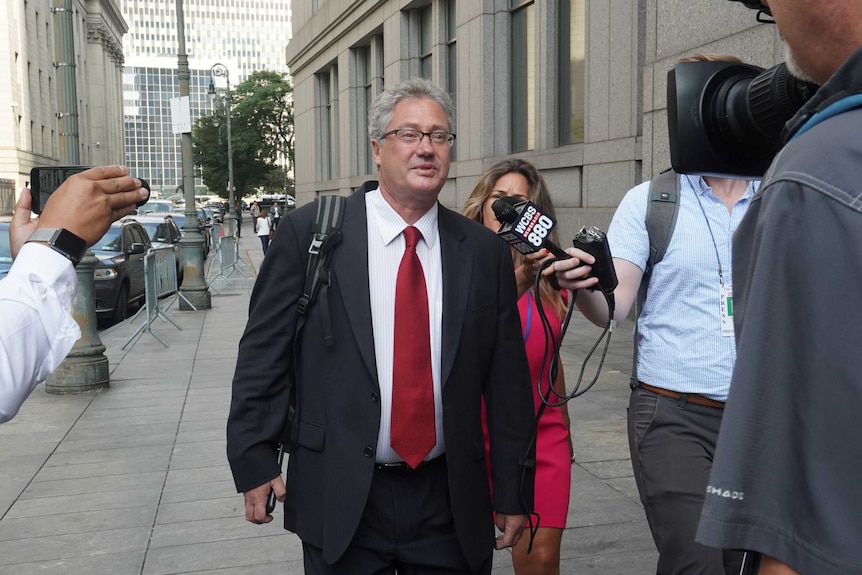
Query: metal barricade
x,y
227,253
160,280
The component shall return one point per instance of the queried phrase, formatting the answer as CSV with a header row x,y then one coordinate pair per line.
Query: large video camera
x,y
725,119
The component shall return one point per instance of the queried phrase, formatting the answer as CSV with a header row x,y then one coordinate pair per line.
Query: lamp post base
x,y
79,374
85,367
200,298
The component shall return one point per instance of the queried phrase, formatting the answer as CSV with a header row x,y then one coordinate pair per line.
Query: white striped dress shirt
x,y
385,249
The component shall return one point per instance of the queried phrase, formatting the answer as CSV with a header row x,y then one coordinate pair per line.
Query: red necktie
x,y
412,426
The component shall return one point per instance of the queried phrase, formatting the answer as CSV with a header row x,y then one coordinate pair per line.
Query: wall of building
x,y
30,134
630,46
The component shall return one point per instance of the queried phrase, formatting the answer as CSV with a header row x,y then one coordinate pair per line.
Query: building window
x,y
523,90
426,42
451,51
452,58
327,123
367,83
571,72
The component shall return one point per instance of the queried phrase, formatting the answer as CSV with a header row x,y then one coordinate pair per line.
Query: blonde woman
x,y
554,455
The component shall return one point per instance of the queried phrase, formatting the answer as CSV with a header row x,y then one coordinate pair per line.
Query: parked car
x,y
180,220
217,209
5,249
289,202
163,231
119,274
160,206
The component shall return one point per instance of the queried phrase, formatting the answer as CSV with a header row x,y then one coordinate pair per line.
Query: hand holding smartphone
x,y
44,181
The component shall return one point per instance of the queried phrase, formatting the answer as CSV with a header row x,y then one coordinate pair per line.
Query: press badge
x,y
726,306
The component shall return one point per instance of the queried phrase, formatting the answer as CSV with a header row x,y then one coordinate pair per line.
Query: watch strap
x,y
62,241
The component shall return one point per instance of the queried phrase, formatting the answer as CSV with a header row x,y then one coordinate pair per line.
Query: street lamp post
x,y
194,288
219,70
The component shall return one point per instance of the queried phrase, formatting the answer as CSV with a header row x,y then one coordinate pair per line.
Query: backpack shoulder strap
x,y
662,211
326,235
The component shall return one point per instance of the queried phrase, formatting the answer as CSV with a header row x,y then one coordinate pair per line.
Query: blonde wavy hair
x,y
538,194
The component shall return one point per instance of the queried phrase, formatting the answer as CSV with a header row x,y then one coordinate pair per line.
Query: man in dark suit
x,y
388,474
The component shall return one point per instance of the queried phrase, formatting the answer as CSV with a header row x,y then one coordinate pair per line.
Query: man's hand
x,y
574,273
21,225
255,500
512,526
89,202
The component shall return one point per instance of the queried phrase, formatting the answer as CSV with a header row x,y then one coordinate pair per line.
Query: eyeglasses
x,y
410,137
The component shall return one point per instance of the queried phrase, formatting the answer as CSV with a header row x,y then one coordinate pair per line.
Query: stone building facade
x,y
32,131
575,86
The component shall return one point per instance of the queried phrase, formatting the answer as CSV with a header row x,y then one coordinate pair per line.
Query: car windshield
x,y
110,242
158,231
5,250
155,207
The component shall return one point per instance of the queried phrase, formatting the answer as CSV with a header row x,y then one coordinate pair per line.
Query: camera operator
x,y
785,482
38,330
684,351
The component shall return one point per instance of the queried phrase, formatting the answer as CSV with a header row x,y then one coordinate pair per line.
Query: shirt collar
x,y
391,225
700,187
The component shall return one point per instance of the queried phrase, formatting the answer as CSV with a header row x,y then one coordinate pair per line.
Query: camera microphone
x,y
525,227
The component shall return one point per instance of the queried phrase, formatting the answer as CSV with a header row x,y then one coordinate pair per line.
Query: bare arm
x,y
571,275
525,274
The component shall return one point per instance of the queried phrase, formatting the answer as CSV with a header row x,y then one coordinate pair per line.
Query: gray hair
x,y
380,113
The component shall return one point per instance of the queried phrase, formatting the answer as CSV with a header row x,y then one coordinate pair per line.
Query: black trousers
x,y
406,528
672,444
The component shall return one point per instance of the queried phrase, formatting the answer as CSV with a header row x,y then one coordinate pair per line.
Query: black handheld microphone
x,y
595,242
525,227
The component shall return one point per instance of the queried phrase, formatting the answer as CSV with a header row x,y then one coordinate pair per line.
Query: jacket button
x,y
368,451
375,398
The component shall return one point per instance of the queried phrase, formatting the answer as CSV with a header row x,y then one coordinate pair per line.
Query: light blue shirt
x,y
680,345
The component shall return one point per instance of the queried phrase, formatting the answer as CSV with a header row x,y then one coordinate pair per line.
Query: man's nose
x,y
426,147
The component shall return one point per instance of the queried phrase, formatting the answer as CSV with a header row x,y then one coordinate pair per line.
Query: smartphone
x,y
44,181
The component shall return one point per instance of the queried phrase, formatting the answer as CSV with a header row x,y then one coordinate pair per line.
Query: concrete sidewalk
x,y
134,479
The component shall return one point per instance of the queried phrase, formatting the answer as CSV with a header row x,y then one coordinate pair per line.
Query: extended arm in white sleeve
x,y
37,329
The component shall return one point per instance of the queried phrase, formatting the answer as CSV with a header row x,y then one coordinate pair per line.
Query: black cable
x,y
553,369
556,346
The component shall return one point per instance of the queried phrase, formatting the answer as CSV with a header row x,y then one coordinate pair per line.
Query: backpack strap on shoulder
x,y
326,235
662,211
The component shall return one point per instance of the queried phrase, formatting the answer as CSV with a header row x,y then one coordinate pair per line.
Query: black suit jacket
x,y
331,468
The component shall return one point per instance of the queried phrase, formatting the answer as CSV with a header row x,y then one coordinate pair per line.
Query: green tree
x,y
261,133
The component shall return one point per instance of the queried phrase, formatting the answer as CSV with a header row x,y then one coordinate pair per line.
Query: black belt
x,y
402,467
694,398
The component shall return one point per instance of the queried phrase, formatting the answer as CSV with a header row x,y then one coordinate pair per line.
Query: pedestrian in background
x,y
237,210
275,215
263,231
254,210
685,351
554,453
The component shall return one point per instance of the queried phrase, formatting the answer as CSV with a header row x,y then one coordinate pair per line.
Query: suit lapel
x,y
457,260
350,267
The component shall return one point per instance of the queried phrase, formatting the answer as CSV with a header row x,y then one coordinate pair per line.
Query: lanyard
x,y
712,236
529,316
